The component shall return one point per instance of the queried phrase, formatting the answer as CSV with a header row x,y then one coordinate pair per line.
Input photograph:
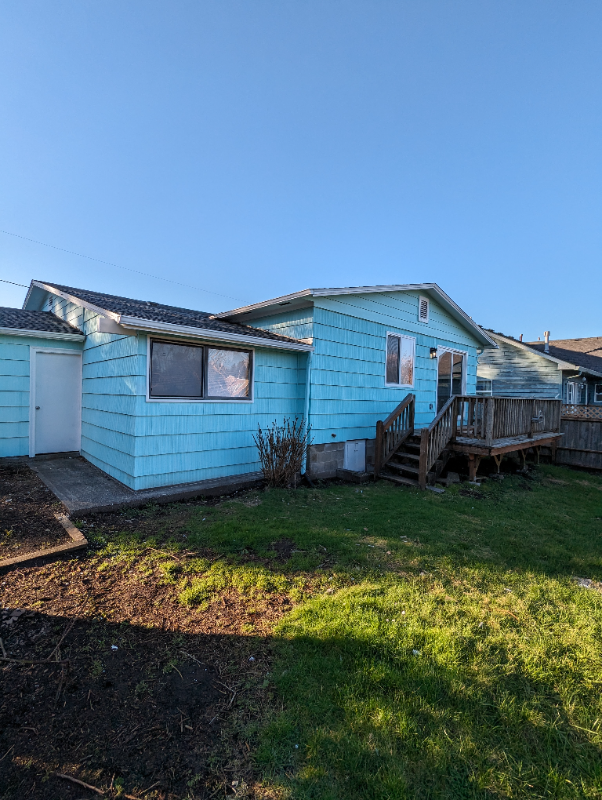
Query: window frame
x,y
454,351
205,346
582,390
597,402
401,385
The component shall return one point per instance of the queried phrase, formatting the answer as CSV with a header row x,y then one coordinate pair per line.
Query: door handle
x,y
37,408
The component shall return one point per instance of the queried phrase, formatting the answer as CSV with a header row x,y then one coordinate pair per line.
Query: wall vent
x,y
423,309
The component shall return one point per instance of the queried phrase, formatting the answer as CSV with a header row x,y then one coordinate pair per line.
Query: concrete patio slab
x,y
84,489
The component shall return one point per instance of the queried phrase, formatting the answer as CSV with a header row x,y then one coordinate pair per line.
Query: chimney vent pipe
x,y
520,338
547,340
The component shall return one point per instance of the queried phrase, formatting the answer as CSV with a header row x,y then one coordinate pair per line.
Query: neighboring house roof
x,y
584,353
24,321
157,317
305,298
565,358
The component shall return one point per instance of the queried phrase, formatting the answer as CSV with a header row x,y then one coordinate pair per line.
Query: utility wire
x,y
14,284
119,266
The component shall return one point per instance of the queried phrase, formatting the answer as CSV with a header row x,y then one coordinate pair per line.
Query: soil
x,y
27,513
146,692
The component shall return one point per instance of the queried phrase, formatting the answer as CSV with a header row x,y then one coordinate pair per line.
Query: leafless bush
x,y
282,451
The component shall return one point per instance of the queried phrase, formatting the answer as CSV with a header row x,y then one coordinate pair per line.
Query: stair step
x,y
403,467
401,454
399,479
413,445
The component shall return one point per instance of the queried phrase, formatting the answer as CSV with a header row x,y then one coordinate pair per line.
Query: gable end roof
x,y
305,299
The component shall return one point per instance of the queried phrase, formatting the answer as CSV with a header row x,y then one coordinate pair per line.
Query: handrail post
x,y
489,421
378,448
423,463
458,403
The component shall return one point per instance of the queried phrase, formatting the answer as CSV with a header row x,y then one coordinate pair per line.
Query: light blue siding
x,y
348,393
14,389
148,444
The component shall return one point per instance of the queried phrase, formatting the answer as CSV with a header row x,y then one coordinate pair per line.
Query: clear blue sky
x,y
255,148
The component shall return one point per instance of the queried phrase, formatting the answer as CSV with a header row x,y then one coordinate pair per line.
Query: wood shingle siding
x,y
14,389
515,372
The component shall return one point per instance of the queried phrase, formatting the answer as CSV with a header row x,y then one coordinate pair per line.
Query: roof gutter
x,y
151,326
65,337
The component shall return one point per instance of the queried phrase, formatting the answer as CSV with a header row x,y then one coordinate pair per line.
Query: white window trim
x,y
443,349
33,352
426,300
597,402
401,385
197,343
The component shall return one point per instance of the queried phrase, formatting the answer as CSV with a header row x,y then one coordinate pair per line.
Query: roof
x,y
305,298
584,353
566,359
20,319
146,315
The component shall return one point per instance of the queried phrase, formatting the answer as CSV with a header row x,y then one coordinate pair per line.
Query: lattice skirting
x,y
582,412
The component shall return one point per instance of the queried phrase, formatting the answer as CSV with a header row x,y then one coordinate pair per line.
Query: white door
x,y
56,401
355,455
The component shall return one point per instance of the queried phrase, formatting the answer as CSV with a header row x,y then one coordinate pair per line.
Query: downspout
x,y
306,407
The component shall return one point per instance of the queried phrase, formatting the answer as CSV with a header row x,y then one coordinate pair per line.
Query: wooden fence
x,y
581,443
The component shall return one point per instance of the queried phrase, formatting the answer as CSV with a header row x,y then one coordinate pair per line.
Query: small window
x,y
423,309
399,370
598,393
196,372
484,386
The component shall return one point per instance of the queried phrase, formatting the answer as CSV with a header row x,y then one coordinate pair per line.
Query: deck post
x,y
422,464
473,465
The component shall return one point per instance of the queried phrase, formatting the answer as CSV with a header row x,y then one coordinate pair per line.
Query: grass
x,y
439,645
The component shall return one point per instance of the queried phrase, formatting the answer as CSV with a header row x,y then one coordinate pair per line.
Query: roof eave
x,y
152,326
72,299
65,337
431,288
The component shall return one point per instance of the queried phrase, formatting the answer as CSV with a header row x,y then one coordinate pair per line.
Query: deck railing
x,y
393,432
485,419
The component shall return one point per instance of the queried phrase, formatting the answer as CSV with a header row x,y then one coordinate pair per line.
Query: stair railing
x,y
435,438
393,432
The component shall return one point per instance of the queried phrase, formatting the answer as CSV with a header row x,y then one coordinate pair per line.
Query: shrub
x,y
282,450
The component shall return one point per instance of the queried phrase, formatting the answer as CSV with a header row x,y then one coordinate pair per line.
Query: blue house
x,y
156,395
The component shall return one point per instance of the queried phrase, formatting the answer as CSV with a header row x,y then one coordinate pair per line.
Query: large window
x,y
598,393
399,370
196,372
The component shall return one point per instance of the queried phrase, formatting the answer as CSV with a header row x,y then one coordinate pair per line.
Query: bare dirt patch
x,y
149,692
27,513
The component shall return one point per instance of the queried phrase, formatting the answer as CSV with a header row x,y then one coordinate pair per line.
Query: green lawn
x,y
439,645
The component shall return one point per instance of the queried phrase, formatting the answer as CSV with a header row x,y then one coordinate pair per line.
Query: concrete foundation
x,y
325,459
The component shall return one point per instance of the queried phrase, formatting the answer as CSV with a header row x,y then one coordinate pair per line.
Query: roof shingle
x,y
158,312
25,320
586,353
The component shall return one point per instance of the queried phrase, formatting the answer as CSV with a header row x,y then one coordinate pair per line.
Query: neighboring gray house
x,y
567,369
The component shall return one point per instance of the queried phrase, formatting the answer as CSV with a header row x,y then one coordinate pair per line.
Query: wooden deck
x,y
474,426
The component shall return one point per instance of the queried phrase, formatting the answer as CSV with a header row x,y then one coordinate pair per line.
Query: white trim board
x,y
33,351
208,335
65,337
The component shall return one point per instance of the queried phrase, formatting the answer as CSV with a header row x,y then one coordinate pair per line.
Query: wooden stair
x,y
402,467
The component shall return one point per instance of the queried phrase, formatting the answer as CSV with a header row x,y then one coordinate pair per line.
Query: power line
x,y
119,266
14,284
